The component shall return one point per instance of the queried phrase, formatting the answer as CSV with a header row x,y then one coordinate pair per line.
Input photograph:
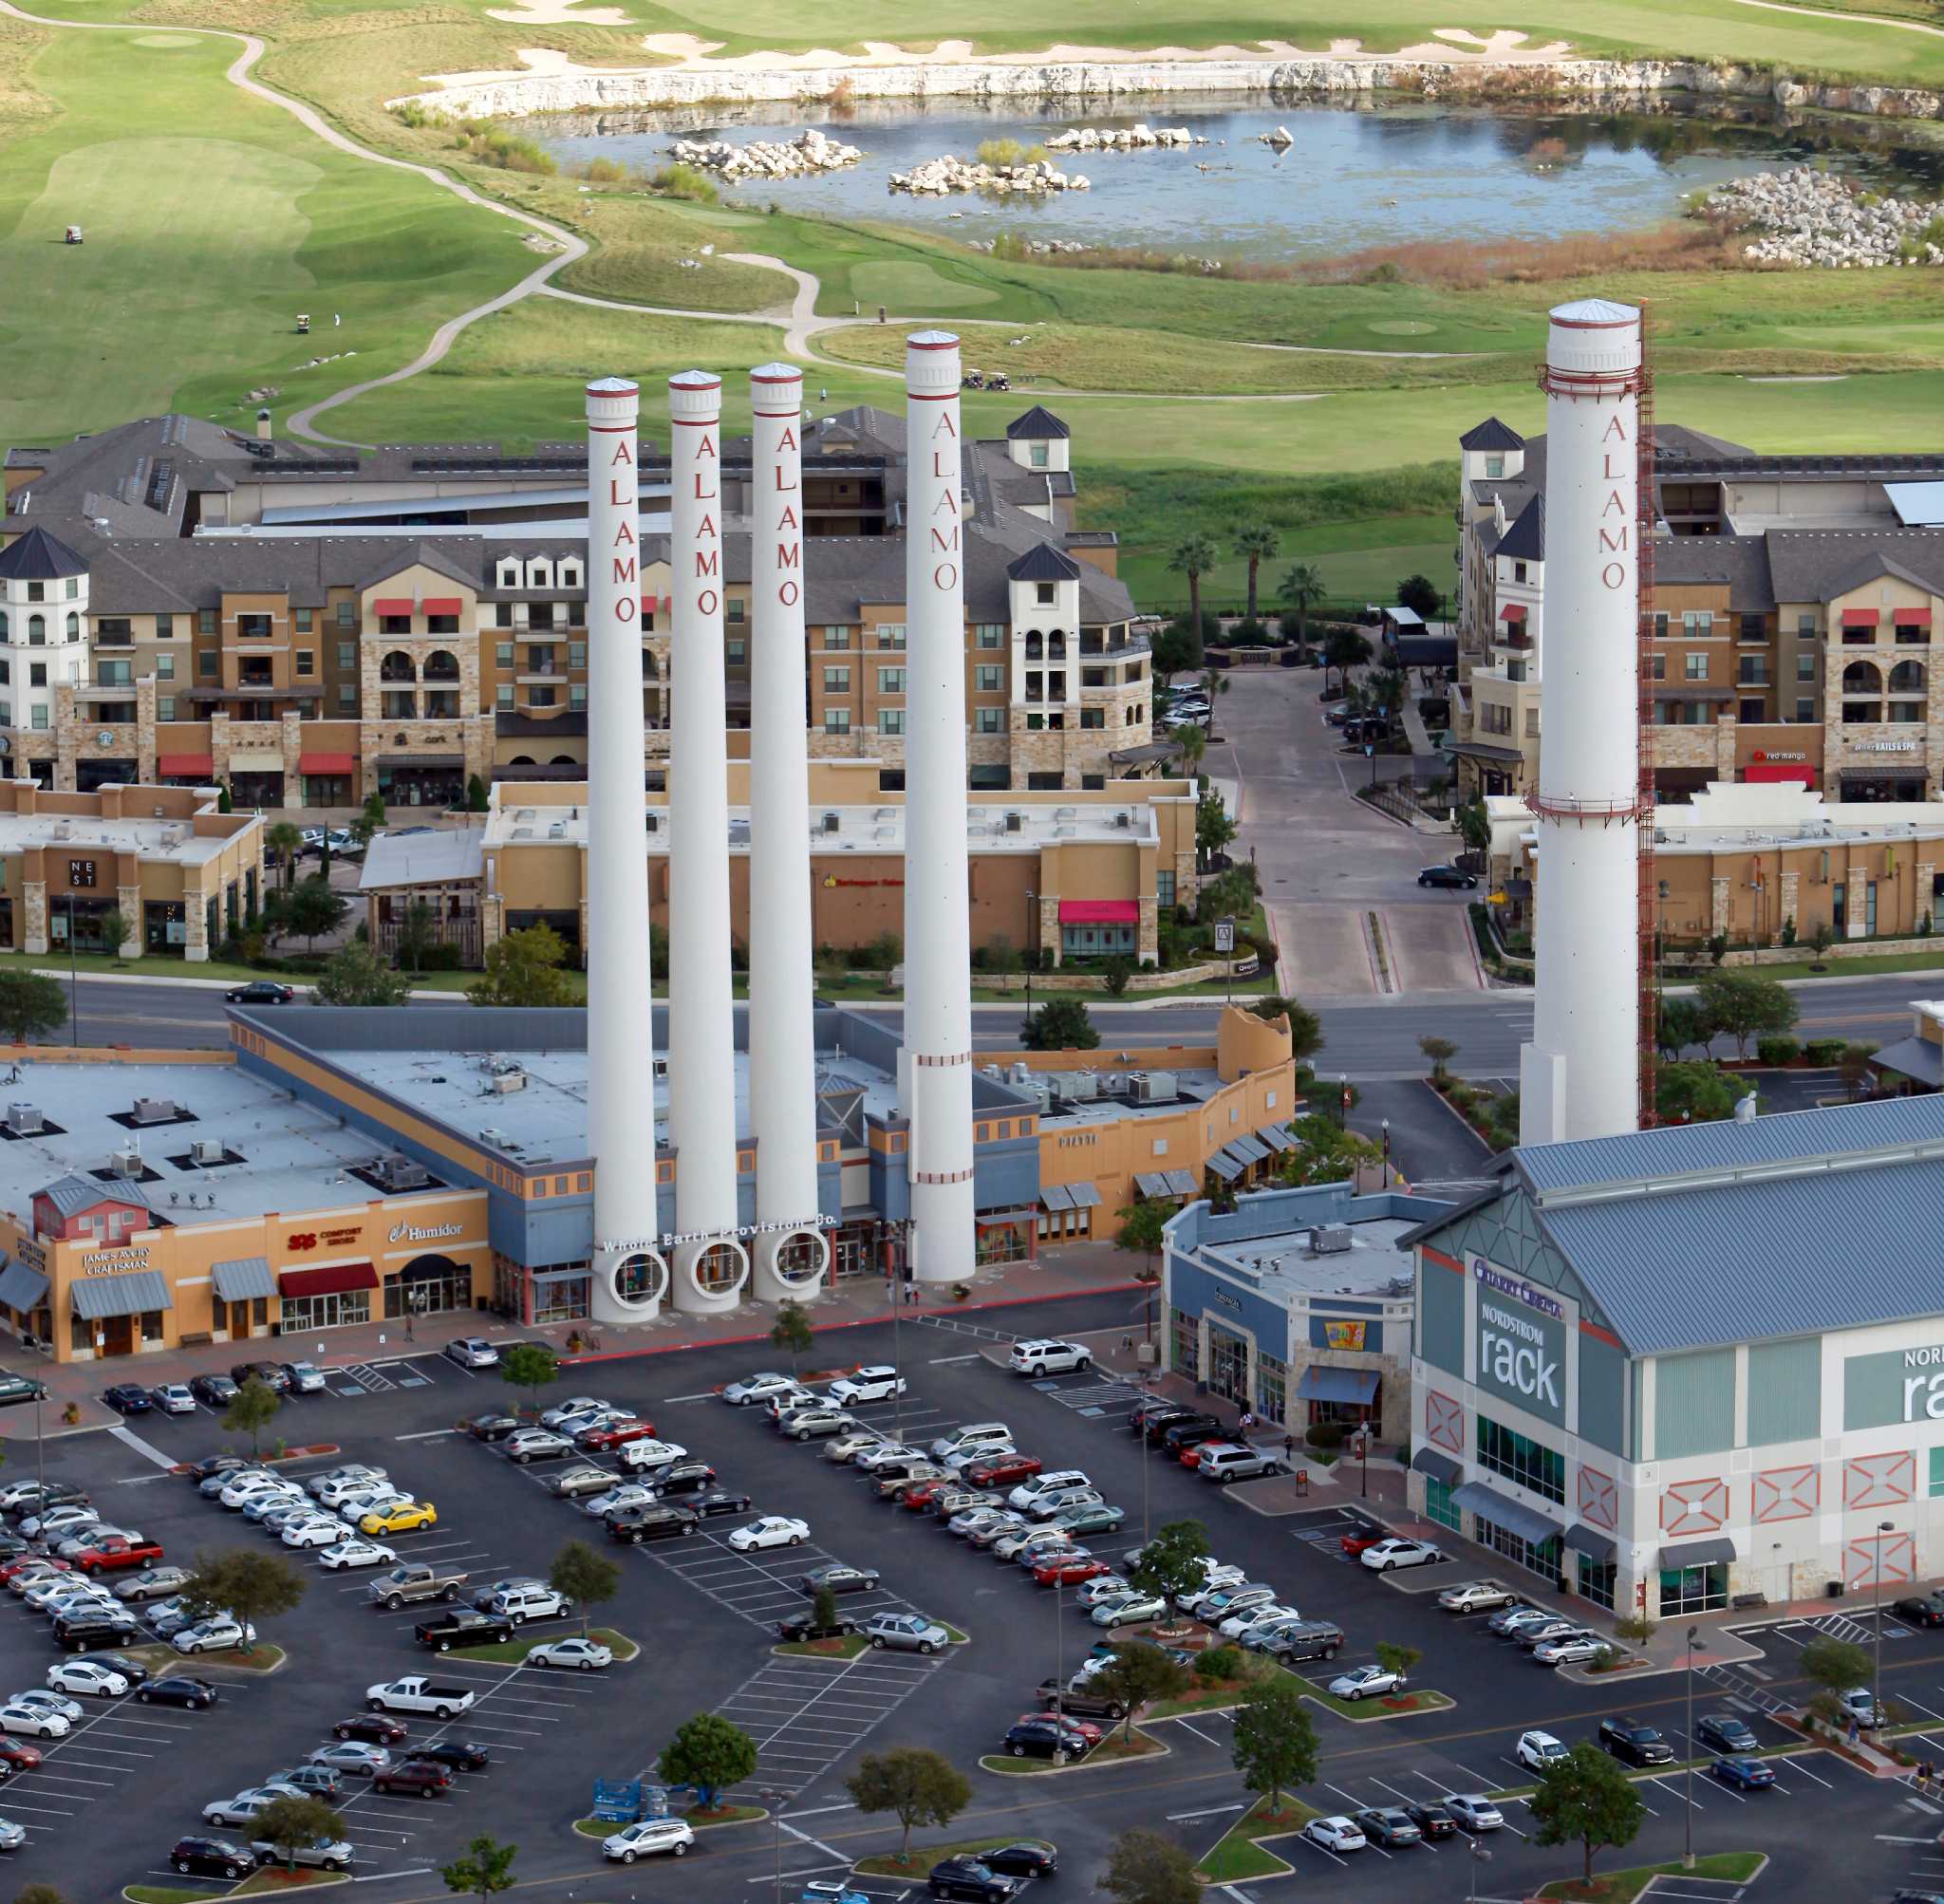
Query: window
x,y
307,661
1517,571
1039,452
1494,468
165,626
6,671
112,674
890,634
1806,709
576,654
1597,1581
347,696
734,610
165,707
891,681
1694,1590
37,631
836,638
1163,888
1659,670
736,651
205,621
206,660
543,697
72,630
836,721
165,667
836,680
570,575
1751,628
394,624
1805,625
502,654
577,695
1660,628
989,679
1523,1461
502,614
1753,671
347,617
37,675
1042,593
988,720
1183,1343
40,716
1438,1507
303,616
890,721
1532,723
1134,716
1806,664
1752,713
1696,666
1272,1387
442,624
1935,1482
37,591
540,659
989,634
1092,717
502,697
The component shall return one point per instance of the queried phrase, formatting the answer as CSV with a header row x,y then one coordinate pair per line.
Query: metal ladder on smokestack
x,y
1649,893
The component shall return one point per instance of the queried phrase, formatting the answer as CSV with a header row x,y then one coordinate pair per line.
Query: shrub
x,y
1823,1051
1634,1627
684,181
1115,975
604,172
507,150
1326,1435
1247,634
1219,1662
1777,1051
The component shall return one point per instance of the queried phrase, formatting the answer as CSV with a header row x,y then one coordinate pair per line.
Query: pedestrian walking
x,y
1924,1775
1854,1730
1289,1448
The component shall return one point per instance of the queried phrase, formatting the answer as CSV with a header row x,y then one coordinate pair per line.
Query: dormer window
x,y
509,574
1517,571
1494,468
539,573
570,575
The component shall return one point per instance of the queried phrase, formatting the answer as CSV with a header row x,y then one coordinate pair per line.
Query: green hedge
x,y
1824,1051
1777,1050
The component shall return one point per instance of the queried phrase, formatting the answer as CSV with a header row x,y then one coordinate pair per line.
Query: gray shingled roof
x,y
1739,562
1813,565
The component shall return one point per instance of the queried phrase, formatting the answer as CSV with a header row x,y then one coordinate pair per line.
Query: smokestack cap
x,y
775,373
931,363
1594,337
695,397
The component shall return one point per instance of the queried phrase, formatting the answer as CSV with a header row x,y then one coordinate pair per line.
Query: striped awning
x,y
1277,1136
1226,1165
135,1291
243,1277
1250,1149
22,1289
1068,1196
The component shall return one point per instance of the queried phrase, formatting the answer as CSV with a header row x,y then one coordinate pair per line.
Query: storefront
x,y
330,779
1512,1530
428,1285
1881,782
423,780
335,1296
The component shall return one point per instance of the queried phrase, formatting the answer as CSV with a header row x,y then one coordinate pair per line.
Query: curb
x,y
1019,1769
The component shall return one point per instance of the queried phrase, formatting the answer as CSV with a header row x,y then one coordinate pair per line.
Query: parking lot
x,y
108,1802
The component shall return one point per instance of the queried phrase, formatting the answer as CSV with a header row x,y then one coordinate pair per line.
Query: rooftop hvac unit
x,y
400,1173
1330,1240
1123,818
1043,1093
207,1150
504,1081
1080,1084
125,1163
25,1120
1114,1085
1152,1087
992,1071
1013,822
832,823
155,1110
1021,1072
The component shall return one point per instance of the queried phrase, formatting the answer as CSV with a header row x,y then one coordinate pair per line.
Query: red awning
x,y
1101,912
1910,618
393,604
441,605
180,764
336,1280
1770,770
1860,618
1512,611
327,763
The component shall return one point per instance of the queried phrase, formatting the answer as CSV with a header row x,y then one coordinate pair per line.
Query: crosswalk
x,y
1091,1393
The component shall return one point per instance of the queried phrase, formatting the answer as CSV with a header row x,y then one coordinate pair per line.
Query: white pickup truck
x,y
417,1693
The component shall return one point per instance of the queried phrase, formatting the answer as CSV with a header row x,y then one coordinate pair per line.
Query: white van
x,y
1031,1488
985,1437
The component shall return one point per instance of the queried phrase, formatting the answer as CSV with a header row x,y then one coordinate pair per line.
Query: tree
x,y
1192,739
710,1753
312,908
370,819
1586,1798
1214,825
289,1824
914,1784
530,1366
30,1005
1694,1094
1440,1052
477,801
1343,650
1256,544
1141,1226
1115,970
585,1578
1194,558
1820,941
1834,1665
1138,1673
1474,825
823,1607
416,935
1746,1005
224,803
1178,646
1275,1740
251,1583
114,928
1395,1657
357,976
1171,1563
1419,593
1147,1867
1853,1067
254,1407
482,1870
1325,1151
1305,1027
1001,956
1682,1023
285,841
1060,1024
1302,588
792,1331
39,1893
524,969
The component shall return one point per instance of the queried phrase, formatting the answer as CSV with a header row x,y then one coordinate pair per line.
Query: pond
x,y
1376,172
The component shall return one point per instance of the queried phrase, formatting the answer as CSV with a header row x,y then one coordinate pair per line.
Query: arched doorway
x,y
427,1286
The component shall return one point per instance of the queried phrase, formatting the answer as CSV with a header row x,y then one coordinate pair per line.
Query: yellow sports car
x,y
402,1516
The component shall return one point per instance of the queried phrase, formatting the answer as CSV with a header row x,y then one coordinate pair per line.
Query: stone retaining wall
x,y
1032,85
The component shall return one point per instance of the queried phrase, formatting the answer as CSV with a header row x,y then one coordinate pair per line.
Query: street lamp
x,y
776,1800
1386,1153
1343,1100
1479,1855
1688,1815
73,980
1883,1527
1028,956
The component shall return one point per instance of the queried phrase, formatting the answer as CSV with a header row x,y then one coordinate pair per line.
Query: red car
x,y
918,1498
1082,1734
114,1553
999,1470
28,1568
416,1778
1070,1570
17,1755
610,1436
1355,1545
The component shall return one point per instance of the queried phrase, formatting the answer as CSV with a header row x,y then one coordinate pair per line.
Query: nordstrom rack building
x,y
1682,1367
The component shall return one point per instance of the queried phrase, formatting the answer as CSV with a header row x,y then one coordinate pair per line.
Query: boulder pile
x,y
1043,248
1121,137
1818,221
810,151
938,177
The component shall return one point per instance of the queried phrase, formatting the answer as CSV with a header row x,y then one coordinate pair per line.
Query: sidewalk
x,y
1061,1274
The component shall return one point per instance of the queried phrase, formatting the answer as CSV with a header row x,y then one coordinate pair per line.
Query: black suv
x,y
85,1634
211,1858
659,1523
1029,1858
491,1426
1177,1437
684,1477
968,1877
1637,1743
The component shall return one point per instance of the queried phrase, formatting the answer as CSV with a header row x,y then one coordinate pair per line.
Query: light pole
x,y
1386,1153
1883,1527
774,1801
73,981
1343,1100
1028,956
1687,1814
1479,1855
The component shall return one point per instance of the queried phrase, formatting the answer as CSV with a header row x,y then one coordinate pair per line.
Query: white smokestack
x,y
702,1030
1580,1076
630,1278
783,1035
935,1068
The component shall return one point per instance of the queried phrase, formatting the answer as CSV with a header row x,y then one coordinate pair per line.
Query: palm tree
x,y
1256,542
1194,558
1302,586
1192,741
284,841
1214,684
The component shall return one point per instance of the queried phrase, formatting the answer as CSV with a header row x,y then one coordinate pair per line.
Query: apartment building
x,y
1794,602
182,603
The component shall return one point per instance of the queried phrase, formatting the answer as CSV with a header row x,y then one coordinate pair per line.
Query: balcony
x,y
437,669
255,676
442,706
396,670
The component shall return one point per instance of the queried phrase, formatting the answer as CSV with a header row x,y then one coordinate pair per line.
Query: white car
x,y
16,1717
44,1700
474,1351
356,1551
888,1452
763,1387
58,1523
57,1587
1335,1834
1237,1624
351,1755
1364,1682
1400,1553
1573,1649
1088,1593
585,1656
1473,1811
242,1809
174,1399
321,1532
650,1452
846,1447
644,1840
253,1486
1475,1596
90,1676
353,1506
574,1404
307,1378
534,1445
1047,1357
221,1634
351,1477
772,1530
1539,1751
876,1384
